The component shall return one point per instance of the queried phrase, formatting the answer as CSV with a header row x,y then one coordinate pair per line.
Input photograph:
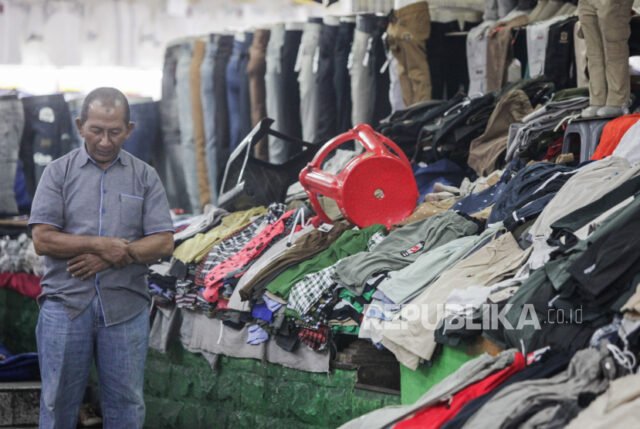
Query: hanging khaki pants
x,y
204,195
408,31
605,26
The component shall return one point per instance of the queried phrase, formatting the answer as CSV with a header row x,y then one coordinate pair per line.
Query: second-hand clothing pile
x,y
20,266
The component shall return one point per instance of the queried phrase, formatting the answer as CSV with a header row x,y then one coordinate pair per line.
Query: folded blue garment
x,y
257,335
20,367
262,312
272,305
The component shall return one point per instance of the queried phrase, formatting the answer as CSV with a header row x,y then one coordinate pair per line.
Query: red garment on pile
x,y
23,283
554,149
316,339
612,133
437,415
249,252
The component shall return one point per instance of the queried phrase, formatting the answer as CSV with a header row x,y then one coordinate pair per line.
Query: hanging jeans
x,y
185,117
145,138
11,127
283,94
369,87
256,69
213,72
447,59
328,115
306,78
341,79
233,93
245,93
168,159
46,136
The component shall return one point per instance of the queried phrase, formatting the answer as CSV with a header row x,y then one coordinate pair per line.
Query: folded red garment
x,y
23,283
436,415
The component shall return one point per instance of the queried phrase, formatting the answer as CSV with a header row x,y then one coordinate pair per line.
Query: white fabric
x,y
148,36
13,25
629,146
63,20
477,58
537,39
456,10
580,47
100,34
33,43
395,91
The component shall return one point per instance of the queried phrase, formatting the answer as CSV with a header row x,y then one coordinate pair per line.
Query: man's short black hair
x,y
109,96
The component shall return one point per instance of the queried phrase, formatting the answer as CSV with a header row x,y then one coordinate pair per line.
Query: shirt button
x,y
104,191
104,211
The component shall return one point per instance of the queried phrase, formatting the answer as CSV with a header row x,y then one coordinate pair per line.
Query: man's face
x,y
104,131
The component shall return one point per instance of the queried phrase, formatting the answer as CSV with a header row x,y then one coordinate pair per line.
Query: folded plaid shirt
x,y
319,313
232,245
310,289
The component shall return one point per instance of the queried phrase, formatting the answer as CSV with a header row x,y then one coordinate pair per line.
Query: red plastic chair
x,y
375,187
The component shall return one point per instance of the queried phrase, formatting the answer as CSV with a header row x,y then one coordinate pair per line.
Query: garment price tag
x,y
325,227
298,65
385,66
365,60
316,60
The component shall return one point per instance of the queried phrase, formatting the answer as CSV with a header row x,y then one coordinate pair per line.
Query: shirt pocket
x,y
131,215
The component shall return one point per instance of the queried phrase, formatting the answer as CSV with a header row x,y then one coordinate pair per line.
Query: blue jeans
x,y
234,83
185,117
244,98
145,137
168,158
67,348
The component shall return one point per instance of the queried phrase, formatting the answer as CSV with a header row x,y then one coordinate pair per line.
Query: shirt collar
x,y
85,157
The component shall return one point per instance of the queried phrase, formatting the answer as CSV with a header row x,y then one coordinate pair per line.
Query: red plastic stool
x,y
375,187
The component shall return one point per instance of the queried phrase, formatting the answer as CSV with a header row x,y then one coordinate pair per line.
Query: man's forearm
x,y
62,245
151,248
